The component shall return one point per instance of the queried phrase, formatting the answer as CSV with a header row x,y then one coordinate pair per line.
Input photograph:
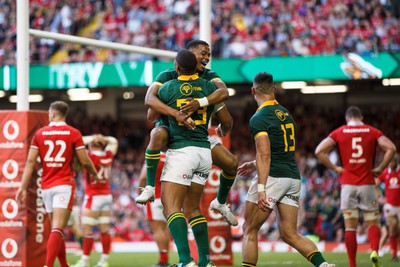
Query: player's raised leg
x,y
228,163
158,141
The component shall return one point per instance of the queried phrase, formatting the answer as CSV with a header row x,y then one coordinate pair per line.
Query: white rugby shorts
x,y
214,140
154,211
390,210
361,197
98,202
187,165
277,190
60,196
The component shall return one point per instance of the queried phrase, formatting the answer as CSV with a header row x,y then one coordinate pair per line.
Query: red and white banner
x,y
24,228
219,232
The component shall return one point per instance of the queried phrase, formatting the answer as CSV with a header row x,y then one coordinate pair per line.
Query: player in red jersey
x,y
98,198
56,145
154,213
391,210
357,143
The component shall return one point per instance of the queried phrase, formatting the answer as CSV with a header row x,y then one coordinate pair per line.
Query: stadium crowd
x,y
240,29
319,215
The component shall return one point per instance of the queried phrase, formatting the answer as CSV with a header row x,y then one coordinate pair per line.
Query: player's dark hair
x,y
186,61
196,43
353,112
264,82
60,107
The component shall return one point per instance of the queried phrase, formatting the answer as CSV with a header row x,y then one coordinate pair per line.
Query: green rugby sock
x,y
179,231
152,159
316,258
225,183
200,232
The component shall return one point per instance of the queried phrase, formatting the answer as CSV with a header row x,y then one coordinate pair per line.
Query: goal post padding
x,y
25,227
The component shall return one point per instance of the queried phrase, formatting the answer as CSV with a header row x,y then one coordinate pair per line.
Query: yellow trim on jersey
x,y
188,77
260,134
216,79
158,83
268,103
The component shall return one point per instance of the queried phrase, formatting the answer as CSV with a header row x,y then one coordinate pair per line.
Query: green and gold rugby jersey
x,y
173,93
171,74
274,120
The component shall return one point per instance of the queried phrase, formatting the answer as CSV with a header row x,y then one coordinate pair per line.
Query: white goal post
x,y
23,33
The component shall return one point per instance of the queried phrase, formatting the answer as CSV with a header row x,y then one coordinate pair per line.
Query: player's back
x,y
357,148
57,143
174,94
102,160
275,120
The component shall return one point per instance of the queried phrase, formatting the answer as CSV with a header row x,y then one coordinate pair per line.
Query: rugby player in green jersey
x,y
188,159
277,184
159,136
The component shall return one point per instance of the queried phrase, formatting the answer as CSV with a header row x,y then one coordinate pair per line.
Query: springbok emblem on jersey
x,y
281,115
186,89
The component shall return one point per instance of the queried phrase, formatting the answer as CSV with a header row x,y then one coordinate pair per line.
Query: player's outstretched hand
x,y
246,168
21,195
191,106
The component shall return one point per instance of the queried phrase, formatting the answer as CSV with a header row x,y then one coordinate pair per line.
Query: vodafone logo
x,y
217,244
213,178
9,208
9,248
11,130
10,169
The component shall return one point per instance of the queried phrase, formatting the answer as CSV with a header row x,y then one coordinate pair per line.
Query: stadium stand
x,y
240,29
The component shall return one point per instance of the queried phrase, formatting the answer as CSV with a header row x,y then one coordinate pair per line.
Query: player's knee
x,y
230,165
158,138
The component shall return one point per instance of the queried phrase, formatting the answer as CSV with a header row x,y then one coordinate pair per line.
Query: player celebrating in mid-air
x,y
357,143
159,136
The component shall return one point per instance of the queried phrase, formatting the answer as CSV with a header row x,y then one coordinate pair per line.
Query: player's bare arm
x,y
152,101
322,153
263,163
246,168
27,174
389,149
86,162
218,96
225,119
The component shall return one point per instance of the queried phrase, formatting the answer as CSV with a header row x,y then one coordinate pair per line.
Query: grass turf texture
x,y
265,259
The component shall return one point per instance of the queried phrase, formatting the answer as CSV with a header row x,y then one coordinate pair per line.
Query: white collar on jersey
x,y
57,123
355,123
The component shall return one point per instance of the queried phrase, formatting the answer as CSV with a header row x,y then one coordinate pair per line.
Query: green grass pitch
x,y
265,259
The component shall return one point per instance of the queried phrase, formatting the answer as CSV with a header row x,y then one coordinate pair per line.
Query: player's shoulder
x,y
209,75
166,76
